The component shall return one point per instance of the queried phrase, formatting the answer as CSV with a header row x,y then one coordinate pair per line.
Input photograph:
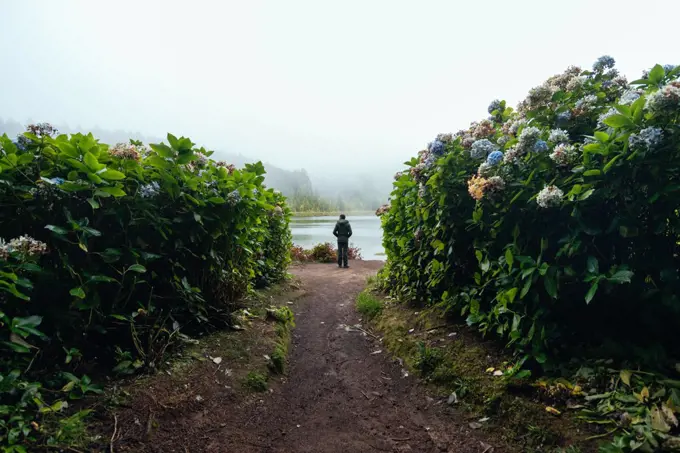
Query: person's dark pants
x,y
342,253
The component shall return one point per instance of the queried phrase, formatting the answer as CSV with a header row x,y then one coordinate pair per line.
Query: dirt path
x,y
339,397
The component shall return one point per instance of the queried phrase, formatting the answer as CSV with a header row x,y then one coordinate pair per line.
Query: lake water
x,y
366,233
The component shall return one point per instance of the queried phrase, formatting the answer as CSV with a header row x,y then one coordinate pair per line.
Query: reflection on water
x,y
366,233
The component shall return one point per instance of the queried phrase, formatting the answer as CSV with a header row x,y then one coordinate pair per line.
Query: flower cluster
x,y
563,155
422,190
558,136
234,197
482,148
629,96
230,167
484,129
511,155
485,169
445,138
436,148
382,209
648,139
42,129
149,190
550,196
495,158
527,139
494,106
585,105
603,63
540,146
24,246
125,151
667,99
479,186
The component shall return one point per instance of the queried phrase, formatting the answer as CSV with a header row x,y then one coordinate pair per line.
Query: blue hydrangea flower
x,y
669,67
648,138
541,146
482,148
495,158
149,190
58,181
437,148
563,117
22,142
629,97
495,105
234,197
604,62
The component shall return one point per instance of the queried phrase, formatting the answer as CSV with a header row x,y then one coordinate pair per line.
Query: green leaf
x,y
591,292
657,74
595,148
94,178
592,266
94,203
115,191
625,376
185,158
592,173
618,121
621,277
77,292
57,230
112,175
137,268
601,136
157,162
509,258
217,200
550,283
162,150
92,162
611,162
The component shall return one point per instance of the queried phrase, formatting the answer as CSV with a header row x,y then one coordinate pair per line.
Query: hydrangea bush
x,y
553,225
113,253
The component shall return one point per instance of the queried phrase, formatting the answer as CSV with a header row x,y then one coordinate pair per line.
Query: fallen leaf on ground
x,y
217,360
552,410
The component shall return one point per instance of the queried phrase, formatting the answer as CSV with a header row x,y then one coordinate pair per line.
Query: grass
x,y
369,305
256,382
452,358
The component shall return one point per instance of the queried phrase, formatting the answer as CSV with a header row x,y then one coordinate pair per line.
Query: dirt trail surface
x,y
340,395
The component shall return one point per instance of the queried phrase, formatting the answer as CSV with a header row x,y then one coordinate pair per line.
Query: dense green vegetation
x,y
555,228
114,255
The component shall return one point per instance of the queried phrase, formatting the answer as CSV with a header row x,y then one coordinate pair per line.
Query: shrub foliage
x,y
555,224
114,253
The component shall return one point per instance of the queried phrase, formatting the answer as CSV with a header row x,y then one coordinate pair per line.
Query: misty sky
x,y
310,83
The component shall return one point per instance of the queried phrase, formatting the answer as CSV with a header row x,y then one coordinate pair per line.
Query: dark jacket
x,y
343,230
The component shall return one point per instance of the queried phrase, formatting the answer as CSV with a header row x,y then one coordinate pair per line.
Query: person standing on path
x,y
342,231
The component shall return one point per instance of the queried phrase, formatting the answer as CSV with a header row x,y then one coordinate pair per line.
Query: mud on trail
x,y
340,393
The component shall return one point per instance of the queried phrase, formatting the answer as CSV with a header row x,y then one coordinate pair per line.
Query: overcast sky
x,y
310,83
